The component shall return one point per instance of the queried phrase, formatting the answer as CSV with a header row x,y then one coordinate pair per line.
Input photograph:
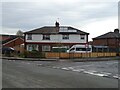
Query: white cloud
x,y
86,15
11,31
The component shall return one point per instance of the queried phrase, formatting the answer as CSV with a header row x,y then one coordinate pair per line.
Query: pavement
x,y
57,59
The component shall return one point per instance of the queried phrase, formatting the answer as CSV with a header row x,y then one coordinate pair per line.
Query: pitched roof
x,y
13,40
9,39
53,30
108,35
43,30
12,37
7,35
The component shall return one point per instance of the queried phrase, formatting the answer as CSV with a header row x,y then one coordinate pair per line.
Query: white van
x,y
80,49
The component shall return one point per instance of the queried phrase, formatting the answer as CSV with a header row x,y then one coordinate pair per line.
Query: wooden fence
x,y
77,55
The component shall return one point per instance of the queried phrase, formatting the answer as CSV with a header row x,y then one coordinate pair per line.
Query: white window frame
x,y
46,48
65,36
46,37
29,36
82,37
31,47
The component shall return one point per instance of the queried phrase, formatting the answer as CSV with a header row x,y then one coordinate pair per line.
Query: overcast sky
x,y
93,17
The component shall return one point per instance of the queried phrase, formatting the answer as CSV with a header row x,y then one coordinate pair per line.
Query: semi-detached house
x,y
45,38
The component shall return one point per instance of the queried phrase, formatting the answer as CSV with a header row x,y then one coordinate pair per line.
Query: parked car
x,y
7,50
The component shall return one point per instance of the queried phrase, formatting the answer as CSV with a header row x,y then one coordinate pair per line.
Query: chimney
x,y
57,24
116,30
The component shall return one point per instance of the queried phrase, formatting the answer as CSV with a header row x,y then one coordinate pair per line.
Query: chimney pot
x,y
57,24
116,30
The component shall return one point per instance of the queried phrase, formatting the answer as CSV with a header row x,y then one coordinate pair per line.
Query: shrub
x,y
33,54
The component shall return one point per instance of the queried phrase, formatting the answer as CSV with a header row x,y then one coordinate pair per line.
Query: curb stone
x,y
74,60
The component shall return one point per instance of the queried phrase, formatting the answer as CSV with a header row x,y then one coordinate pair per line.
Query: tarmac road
x,y
26,74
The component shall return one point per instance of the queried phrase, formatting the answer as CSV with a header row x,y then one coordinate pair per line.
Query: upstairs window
x,y
46,37
82,37
65,37
29,37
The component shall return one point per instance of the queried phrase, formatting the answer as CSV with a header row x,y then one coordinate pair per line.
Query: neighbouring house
x,y
4,37
13,41
109,41
45,38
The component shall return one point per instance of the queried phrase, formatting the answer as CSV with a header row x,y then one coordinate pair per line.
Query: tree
x,y
19,33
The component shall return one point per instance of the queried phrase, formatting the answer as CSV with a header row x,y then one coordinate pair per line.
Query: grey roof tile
x,y
53,30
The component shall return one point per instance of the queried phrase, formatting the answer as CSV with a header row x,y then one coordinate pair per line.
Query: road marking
x,y
117,76
65,68
92,72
